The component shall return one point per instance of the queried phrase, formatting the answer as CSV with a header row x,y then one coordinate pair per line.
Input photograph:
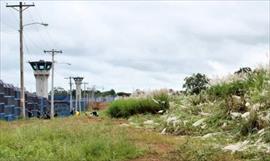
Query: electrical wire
x,y
48,34
38,31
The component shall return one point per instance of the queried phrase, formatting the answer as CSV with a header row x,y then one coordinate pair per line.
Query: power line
x,y
26,46
9,26
51,40
41,36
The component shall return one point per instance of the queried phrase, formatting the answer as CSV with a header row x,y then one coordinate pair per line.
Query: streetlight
x,y
36,23
22,95
53,52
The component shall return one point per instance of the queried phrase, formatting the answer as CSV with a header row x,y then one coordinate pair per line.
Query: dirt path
x,y
156,145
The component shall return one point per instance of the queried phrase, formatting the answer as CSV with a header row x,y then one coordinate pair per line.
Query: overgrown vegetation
x,y
233,112
131,106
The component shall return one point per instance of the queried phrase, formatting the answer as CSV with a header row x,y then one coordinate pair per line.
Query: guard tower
x,y
78,83
41,72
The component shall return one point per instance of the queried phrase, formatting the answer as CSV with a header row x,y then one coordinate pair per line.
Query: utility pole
x,y
87,95
21,7
84,88
53,52
70,92
93,93
269,60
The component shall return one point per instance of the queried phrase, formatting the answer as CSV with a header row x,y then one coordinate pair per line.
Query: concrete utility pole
x,y
93,93
70,92
84,88
269,60
87,95
53,52
21,7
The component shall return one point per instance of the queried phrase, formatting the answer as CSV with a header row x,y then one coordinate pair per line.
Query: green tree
x,y
243,70
196,83
59,91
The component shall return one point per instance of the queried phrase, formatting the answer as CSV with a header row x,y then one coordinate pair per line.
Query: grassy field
x,y
228,122
98,139
65,139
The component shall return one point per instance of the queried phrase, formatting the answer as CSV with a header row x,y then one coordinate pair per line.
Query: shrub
x,y
128,107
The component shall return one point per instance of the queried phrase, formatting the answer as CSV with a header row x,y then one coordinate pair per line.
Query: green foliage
x,y
266,136
123,94
68,139
243,70
59,91
224,90
162,98
196,83
131,106
105,93
255,81
198,99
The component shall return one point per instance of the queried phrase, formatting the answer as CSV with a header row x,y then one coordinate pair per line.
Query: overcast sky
x,y
129,45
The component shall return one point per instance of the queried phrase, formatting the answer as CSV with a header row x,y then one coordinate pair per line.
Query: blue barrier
x,y
17,111
2,99
2,106
2,116
8,109
9,117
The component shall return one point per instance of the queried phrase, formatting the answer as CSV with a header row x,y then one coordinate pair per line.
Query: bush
x,y
128,107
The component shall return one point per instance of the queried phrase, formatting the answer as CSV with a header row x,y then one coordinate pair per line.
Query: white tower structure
x,y
41,72
78,83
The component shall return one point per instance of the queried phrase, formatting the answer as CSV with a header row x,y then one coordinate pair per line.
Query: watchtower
x,y
41,72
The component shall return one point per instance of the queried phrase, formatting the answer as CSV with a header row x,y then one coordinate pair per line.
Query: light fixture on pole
x,y
53,52
22,7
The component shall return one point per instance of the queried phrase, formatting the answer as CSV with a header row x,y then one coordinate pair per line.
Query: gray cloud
x,y
129,45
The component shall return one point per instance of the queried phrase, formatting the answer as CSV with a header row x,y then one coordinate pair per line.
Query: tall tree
x,y
196,83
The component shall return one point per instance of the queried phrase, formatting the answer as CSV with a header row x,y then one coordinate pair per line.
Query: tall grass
x,y
65,140
255,81
131,106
